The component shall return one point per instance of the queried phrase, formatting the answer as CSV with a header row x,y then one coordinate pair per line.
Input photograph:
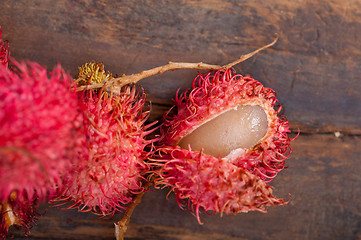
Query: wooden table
x,y
315,67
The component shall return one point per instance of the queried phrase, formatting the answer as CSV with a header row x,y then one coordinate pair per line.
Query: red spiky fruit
x,y
37,120
114,152
223,92
209,123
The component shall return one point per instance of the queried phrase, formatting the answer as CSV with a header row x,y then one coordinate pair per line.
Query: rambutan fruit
x,y
114,153
37,120
231,139
232,117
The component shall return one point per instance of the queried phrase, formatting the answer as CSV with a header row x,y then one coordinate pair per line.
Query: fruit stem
x,y
134,78
171,66
122,225
8,213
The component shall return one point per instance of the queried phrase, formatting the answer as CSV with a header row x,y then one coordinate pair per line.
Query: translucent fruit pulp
x,y
237,128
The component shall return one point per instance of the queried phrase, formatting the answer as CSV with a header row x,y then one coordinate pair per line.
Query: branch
x,y
171,66
122,225
134,78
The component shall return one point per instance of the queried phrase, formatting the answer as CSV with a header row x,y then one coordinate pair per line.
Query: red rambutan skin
x,y
4,51
37,120
211,184
216,92
113,154
38,117
230,184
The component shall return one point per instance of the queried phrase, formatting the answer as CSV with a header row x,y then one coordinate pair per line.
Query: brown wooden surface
x,y
314,68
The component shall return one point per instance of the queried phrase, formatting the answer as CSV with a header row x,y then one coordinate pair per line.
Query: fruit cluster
x,y
65,141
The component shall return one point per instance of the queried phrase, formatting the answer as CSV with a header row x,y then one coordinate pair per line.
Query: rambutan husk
x,y
38,129
215,93
113,154
211,184
222,184
38,122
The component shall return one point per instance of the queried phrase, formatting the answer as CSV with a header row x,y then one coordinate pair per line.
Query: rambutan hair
x,y
113,155
207,183
39,112
38,121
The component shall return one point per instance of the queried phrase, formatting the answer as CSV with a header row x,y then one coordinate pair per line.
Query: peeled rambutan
x,y
114,153
4,51
232,117
232,140
37,120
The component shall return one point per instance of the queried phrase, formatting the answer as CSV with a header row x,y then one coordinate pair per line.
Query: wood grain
x,y
314,67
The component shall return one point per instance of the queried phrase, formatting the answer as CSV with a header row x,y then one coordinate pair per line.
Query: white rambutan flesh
x,y
242,127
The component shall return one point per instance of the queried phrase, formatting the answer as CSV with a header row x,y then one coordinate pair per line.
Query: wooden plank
x,y
323,180
314,66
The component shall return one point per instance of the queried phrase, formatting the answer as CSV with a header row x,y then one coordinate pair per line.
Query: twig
x,y
171,66
251,54
122,225
129,79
